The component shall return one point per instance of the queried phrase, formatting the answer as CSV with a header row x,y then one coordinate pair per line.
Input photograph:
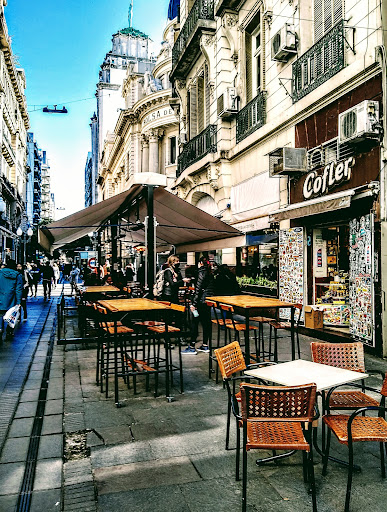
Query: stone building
x,y
13,137
34,181
281,133
47,213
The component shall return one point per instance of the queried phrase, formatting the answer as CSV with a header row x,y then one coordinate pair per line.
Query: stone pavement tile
x,y
50,447
11,476
46,501
54,407
211,466
30,395
21,427
26,410
102,456
8,503
36,374
33,383
147,431
101,415
162,499
111,435
141,475
222,495
56,373
15,450
48,474
52,424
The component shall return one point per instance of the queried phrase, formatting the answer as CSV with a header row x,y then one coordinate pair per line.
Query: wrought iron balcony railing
x,y
197,148
319,63
201,10
251,117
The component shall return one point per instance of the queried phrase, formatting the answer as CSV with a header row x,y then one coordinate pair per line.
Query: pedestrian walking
x,y
56,274
48,277
24,272
201,312
173,280
11,291
67,271
129,272
74,278
29,277
35,273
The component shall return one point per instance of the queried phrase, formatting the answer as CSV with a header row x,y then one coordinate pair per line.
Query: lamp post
x,y
24,232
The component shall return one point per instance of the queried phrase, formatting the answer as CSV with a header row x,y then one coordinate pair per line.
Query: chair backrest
x,y
292,403
230,359
213,305
349,356
383,391
165,302
226,307
101,310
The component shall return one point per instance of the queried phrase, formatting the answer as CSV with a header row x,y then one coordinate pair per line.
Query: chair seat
x,y
351,400
364,428
160,329
241,327
149,323
140,365
221,321
112,324
280,325
276,435
261,319
122,329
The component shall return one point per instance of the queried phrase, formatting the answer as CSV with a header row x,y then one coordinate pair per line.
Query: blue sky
x,y
61,45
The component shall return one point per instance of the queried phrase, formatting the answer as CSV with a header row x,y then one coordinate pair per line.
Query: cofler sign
x,y
333,174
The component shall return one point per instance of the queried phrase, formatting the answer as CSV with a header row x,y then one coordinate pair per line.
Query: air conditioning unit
x,y
182,139
284,43
287,161
359,122
227,104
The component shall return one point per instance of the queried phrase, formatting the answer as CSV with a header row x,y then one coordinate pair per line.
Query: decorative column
x,y
145,153
154,151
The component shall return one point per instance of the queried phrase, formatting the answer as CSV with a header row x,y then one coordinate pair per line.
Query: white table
x,y
300,372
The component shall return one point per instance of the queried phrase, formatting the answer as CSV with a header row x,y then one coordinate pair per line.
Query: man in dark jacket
x,y
48,276
11,290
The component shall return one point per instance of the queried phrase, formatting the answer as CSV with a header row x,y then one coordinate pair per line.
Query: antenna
x,y
130,14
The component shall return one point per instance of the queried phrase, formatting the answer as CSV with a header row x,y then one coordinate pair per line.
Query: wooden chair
x,y
353,428
275,326
278,418
237,327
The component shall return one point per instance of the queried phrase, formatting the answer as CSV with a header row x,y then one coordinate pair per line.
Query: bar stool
x,y
238,327
275,326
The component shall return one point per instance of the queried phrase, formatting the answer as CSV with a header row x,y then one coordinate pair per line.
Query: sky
x,y
61,46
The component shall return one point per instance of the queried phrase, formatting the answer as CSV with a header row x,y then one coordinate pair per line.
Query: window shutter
x,y
338,11
201,104
318,20
193,117
207,94
326,14
249,66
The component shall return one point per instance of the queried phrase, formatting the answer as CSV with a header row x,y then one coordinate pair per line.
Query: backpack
x,y
158,287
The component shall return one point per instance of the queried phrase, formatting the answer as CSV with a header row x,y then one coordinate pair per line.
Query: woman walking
x,y
173,280
24,272
56,270
204,288
35,273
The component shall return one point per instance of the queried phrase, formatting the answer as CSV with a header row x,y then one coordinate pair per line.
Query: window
x,y
198,103
254,57
172,150
326,14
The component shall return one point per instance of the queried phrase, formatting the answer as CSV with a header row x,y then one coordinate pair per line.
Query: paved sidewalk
x,y
149,454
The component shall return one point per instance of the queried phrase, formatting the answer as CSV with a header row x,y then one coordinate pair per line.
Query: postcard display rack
x,y
291,267
361,279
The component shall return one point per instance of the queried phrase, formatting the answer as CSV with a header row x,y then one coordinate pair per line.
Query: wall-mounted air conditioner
x,y
287,161
227,104
284,43
359,122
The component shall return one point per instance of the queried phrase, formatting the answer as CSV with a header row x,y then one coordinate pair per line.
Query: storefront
x,y
329,256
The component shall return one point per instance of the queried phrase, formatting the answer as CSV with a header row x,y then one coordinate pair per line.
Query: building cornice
x,y
151,100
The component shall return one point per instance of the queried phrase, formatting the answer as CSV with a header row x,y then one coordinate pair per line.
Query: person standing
x,y
204,288
24,272
129,272
11,291
173,280
56,274
35,273
74,278
48,276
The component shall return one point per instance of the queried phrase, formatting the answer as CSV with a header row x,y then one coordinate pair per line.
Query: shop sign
x,y
316,185
158,114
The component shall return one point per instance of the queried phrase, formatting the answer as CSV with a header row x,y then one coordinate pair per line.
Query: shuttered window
x,y
249,67
193,112
254,57
201,103
207,94
326,14
198,103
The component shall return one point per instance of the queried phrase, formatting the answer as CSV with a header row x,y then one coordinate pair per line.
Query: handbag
x,y
12,316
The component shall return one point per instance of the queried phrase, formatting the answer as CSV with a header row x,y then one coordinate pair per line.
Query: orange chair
x,y
275,326
238,327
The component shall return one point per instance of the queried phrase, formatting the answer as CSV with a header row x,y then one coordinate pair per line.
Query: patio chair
x,y
238,327
278,418
275,326
353,428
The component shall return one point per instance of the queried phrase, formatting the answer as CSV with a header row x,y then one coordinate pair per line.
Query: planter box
x,y
261,291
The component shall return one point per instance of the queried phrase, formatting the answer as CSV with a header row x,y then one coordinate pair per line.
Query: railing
x,y
319,63
196,148
251,117
201,10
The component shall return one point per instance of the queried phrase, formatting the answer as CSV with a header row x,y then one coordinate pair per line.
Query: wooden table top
x,y
301,372
101,289
250,301
127,305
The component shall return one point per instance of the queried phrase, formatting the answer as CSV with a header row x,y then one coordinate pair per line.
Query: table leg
x,y
116,374
292,333
247,338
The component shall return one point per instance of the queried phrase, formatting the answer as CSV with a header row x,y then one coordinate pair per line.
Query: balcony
x,y
197,148
319,63
8,151
186,49
222,5
251,117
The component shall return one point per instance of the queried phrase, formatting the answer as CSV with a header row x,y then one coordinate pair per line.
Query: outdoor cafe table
x,y
301,372
96,292
251,305
131,307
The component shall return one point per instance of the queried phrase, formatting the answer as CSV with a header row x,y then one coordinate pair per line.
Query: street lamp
x,y
24,232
